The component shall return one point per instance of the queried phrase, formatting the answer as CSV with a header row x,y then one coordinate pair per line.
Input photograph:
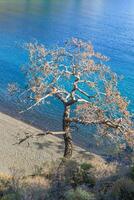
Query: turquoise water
x,y
109,25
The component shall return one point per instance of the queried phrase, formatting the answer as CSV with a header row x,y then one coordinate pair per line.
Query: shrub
x,y
5,186
85,174
86,166
79,194
77,174
132,173
88,179
82,177
123,189
9,197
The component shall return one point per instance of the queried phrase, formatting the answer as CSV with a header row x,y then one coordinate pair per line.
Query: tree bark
x,y
67,136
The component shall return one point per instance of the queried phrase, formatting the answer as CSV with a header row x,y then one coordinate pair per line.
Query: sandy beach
x,y
32,154
27,155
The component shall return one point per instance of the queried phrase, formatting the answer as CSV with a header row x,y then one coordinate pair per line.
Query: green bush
x,y
123,189
9,197
84,177
79,194
89,180
132,173
77,174
86,166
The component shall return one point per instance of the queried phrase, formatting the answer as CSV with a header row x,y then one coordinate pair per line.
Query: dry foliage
x,y
77,76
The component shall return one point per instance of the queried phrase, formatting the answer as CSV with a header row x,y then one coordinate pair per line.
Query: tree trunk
x,y
67,136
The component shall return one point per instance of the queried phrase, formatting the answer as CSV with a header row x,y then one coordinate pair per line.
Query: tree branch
x,y
108,122
29,108
28,136
85,94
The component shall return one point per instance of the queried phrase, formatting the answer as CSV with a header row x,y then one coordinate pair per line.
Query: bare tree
x,y
77,76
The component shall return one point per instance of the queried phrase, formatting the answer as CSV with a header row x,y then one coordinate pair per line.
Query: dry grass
x,y
43,184
101,168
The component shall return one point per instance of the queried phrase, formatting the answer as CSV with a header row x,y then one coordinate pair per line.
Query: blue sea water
x,y
108,24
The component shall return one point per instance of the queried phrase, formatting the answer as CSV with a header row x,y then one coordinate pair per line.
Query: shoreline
x,y
29,156
43,122
36,151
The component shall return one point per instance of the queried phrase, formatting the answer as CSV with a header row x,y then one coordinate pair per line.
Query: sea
x,y
108,24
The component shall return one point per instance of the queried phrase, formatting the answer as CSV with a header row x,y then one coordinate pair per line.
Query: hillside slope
x,y
28,156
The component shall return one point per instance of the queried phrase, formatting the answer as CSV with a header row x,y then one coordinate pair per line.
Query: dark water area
x,y
109,25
